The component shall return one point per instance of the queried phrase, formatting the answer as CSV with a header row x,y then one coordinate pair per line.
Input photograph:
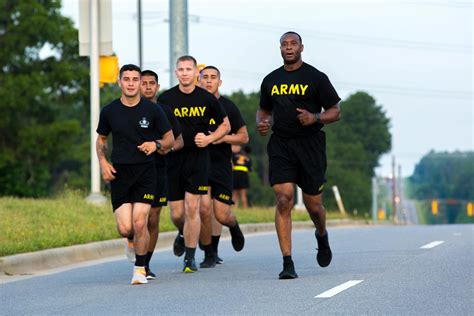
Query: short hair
x,y
211,67
150,73
187,57
291,32
129,67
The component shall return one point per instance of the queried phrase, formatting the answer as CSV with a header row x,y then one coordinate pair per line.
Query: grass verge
x,y
36,224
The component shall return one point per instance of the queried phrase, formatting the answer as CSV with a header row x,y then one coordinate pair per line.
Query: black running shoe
x,y
178,246
288,272
219,260
209,261
149,275
238,239
324,255
189,266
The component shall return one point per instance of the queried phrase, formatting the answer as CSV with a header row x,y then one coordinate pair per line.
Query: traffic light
x,y
469,208
109,69
434,207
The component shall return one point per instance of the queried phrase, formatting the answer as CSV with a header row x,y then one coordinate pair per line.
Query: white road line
x,y
338,289
457,234
432,244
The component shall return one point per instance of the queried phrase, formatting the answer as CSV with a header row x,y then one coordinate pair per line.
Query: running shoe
x,y
178,246
189,266
209,261
288,272
219,260
139,276
149,275
238,239
324,255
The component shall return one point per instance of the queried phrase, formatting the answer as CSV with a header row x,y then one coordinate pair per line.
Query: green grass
x,y
36,224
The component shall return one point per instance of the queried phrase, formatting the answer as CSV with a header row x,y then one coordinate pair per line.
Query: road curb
x,y
29,263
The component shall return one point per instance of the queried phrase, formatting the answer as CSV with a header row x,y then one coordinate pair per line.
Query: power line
x,y
159,17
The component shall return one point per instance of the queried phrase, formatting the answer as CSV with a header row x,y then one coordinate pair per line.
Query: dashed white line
x,y
457,234
432,244
338,289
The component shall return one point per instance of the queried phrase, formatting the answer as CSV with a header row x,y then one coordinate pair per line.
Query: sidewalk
x,y
34,262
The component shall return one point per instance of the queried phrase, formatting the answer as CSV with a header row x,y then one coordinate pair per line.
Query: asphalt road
x,y
375,270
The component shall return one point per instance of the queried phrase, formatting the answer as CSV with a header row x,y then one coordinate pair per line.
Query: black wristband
x,y
318,118
158,145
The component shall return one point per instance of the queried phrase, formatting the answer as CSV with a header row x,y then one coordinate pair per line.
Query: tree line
x,y
45,142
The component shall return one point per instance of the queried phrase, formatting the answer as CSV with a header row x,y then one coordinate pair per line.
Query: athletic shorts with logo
x,y
133,183
188,171
161,192
220,181
298,160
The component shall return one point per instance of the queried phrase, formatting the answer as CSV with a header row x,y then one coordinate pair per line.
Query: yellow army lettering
x,y
224,196
162,199
147,196
282,89
203,188
189,111
212,122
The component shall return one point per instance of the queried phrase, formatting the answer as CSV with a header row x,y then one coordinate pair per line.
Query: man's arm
x,y
241,137
203,140
263,118
331,115
106,168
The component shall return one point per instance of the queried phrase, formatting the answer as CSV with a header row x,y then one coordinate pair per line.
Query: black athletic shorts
x,y
188,171
298,160
161,192
133,183
241,180
220,181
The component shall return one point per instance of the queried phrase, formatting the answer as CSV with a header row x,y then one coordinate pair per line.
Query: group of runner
x,y
177,148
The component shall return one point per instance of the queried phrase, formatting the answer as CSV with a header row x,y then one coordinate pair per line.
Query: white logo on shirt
x,y
144,123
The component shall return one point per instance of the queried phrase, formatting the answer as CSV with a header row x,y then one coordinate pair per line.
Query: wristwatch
x,y
318,118
158,145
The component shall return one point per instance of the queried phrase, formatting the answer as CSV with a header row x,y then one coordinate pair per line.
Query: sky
x,y
414,57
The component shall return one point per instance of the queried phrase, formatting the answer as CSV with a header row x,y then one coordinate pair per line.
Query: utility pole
x,y
178,34
394,192
374,199
95,196
140,53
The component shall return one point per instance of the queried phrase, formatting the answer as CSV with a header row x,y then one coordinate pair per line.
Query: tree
x,y
444,175
44,125
354,146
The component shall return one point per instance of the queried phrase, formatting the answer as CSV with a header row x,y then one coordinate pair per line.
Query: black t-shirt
x,y
223,150
160,160
130,127
241,160
283,91
193,112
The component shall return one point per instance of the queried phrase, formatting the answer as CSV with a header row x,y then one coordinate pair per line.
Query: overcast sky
x,y
414,57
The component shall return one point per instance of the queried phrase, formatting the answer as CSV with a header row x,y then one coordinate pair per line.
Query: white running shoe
x,y
139,275
130,251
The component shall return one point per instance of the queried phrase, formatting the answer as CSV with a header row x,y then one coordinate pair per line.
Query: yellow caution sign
x,y
381,214
109,69
199,68
470,210
434,207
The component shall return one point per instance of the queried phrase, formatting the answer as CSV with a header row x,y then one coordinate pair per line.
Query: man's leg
x,y
216,236
192,228
235,197
205,238
243,198
123,219
177,217
226,217
314,205
141,237
284,193
153,231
